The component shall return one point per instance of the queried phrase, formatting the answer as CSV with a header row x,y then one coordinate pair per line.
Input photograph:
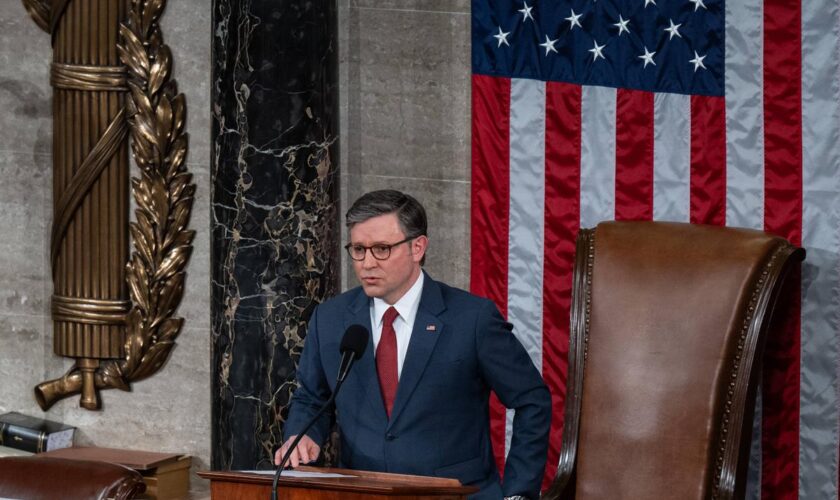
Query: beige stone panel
x,y
25,94
195,306
349,140
21,362
408,94
24,225
459,6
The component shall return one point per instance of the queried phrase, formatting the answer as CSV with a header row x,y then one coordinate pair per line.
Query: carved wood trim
x,y
753,334
563,484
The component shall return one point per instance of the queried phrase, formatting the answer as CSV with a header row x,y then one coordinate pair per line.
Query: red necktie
x,y
386,359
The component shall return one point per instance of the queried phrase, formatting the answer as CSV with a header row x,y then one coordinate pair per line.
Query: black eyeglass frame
x,y
387,248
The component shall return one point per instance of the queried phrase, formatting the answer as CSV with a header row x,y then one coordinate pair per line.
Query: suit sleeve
x,y
509,371
313,389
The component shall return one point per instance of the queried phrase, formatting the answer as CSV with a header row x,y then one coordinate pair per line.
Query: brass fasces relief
x,y
111,76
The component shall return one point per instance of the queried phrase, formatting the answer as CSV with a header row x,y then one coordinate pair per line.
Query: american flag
x,y
686,110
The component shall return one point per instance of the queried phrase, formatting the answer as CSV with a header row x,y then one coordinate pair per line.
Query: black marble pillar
x,y
275,233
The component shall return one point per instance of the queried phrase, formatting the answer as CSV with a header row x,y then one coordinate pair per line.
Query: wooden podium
x,y
363,485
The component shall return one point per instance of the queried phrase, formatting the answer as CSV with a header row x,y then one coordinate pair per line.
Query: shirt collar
x,y
406,306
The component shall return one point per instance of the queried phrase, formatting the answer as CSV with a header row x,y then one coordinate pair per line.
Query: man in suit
x,y
417,401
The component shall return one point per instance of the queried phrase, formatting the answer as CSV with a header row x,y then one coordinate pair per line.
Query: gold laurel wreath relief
x,y
164,194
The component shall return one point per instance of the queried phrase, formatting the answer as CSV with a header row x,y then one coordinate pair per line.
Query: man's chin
x,y
372,291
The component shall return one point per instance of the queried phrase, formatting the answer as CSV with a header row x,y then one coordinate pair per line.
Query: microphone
x,y
352,347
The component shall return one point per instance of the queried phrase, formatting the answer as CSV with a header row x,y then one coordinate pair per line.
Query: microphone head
x,y
355,340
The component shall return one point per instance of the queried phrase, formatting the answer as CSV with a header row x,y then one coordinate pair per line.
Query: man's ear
x,y
418,247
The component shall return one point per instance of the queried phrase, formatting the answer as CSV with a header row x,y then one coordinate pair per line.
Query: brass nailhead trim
x,y
733,375
590,262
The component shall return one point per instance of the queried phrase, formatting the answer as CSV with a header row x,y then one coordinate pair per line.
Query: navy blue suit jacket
x,y
460,349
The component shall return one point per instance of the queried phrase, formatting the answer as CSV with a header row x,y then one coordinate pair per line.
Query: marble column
x,y
274,250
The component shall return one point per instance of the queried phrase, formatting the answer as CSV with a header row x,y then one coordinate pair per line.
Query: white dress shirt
x,y
407,307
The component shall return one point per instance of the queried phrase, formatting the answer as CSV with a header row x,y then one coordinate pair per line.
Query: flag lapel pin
x,y
431,328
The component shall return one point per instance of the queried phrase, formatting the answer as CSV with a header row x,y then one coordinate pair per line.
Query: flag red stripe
x,y
634,155
782,216
490,211
708,160
562,221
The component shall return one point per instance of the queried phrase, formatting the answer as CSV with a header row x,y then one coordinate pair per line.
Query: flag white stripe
x,y
671,157
527,197
818,415
597,155
744,102
744,114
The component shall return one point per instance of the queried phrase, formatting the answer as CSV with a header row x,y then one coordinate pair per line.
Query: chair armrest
x,y
36,478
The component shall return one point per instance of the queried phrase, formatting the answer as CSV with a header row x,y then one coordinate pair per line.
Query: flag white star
x,y
596,51
648,2
502,37
697,61
622,25
549,45
648,57
698,4
673,30
575,20
526,12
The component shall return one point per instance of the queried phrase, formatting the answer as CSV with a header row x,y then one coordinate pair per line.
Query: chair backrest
x,y
44,478
668,326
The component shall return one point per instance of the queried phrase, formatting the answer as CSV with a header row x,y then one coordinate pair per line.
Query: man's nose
x,y
369,262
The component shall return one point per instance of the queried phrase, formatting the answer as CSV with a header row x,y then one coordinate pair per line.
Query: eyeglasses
x,y
380,251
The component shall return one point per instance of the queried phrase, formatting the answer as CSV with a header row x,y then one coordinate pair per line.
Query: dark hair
x,y
410,213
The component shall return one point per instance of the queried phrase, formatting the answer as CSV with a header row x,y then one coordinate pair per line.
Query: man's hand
x,y
306,451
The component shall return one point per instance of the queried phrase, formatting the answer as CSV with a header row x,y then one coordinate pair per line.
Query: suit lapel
x,y
424,335
359,314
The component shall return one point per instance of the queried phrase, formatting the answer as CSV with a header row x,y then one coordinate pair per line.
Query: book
x,y
167,475
34,434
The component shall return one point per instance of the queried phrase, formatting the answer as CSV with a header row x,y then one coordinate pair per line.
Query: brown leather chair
x,y
668,327
43,478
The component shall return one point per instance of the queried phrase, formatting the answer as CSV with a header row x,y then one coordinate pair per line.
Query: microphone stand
x,y
302,433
